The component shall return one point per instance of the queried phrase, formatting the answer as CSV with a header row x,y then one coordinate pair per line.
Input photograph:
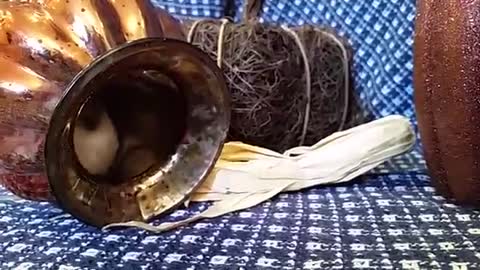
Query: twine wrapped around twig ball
x,y
289,86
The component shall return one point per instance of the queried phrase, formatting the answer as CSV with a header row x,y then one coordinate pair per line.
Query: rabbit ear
x,y
96,148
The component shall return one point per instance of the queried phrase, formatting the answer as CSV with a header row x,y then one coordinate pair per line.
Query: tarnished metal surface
x,y
57,54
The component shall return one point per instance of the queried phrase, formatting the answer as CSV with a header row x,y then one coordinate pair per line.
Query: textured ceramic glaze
x,y
56,55
447,94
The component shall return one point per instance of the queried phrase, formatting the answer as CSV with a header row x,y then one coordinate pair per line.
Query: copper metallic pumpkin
x,y
57,58
447,94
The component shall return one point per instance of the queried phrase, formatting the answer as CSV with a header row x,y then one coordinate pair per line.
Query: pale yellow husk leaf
x,y
247,175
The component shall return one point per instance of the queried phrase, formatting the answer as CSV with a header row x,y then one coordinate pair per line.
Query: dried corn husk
x,y
247,175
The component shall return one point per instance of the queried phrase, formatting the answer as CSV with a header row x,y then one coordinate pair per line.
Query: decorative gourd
x,y
447,95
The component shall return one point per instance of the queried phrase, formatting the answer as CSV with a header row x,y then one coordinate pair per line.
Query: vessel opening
x,y
133,122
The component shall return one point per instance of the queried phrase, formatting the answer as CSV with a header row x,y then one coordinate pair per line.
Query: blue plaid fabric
x,y
193,8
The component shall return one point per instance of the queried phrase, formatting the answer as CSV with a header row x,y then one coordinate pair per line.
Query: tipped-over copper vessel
x,y
104,108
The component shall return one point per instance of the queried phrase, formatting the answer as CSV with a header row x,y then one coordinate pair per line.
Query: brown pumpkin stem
x,y
251,10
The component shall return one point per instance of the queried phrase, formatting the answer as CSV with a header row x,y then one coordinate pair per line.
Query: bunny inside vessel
x,y
121,132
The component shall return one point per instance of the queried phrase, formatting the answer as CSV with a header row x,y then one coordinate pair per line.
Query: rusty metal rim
x,y
76,94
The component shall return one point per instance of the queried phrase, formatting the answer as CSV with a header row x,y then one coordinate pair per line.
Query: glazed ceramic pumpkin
x,y
447,94
104,109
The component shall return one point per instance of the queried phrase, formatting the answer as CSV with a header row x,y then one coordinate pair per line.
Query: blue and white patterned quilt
x,y
379,222
388,220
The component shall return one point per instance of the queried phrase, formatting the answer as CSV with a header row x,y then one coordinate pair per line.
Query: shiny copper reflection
x,y
43,45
